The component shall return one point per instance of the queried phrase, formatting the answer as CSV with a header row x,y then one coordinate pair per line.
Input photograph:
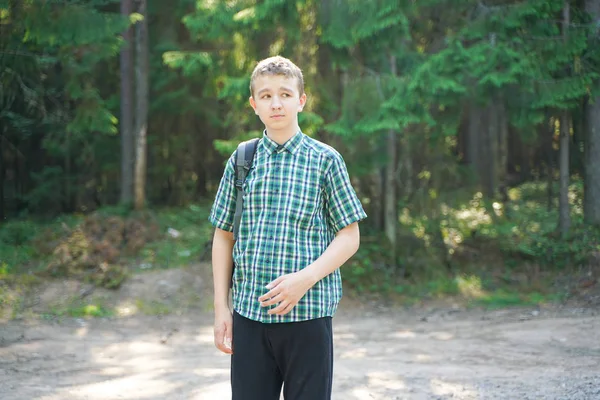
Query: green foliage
x,y
17,232
52,102
77,23
526,230
503,298
189,63
77,308
152,308
369,269
186,238
413,68
97,248
16,249
487,244
350,22
13,289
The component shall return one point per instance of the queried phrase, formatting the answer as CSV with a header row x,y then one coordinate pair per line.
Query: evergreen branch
x,y
19,53
500,7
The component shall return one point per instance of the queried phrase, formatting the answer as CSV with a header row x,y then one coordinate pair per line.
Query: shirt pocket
x,y
305,206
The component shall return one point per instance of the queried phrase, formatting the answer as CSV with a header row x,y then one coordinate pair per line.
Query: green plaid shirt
x,y
297,197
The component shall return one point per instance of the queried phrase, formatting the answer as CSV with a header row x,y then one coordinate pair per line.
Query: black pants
x,y
297,355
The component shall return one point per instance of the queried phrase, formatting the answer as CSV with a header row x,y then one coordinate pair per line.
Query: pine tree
x,y
592,142
53,56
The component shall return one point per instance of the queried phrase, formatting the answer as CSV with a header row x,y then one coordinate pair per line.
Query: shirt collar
x,y
292,145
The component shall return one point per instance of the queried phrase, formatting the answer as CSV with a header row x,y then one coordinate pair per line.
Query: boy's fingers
x,y
223,340
228,344
279,308
224,345
224,349
219,336
271,301
276,282
271,293
286,309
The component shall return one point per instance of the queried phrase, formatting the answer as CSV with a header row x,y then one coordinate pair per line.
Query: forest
x,y
470,128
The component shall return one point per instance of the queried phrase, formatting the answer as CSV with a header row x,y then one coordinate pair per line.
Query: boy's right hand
x,y
224,331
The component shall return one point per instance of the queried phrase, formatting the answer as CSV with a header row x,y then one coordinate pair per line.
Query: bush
x,y
93,249
17,233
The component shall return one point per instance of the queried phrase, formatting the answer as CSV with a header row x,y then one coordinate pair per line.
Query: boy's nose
x,y
275,103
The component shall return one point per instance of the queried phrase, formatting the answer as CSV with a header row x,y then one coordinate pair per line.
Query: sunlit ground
x,y
389,356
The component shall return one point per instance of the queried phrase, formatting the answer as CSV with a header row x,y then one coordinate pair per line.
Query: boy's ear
x,y
253,104
302,102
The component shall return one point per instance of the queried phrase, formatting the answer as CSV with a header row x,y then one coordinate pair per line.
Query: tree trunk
x,y
546,132
502,158
473,132
592,149
126,123
391,203
563,206
491,150
405,167
141,111
377,190
68,203
2,173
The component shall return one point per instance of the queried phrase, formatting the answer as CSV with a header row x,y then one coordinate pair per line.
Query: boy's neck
x,y
280,137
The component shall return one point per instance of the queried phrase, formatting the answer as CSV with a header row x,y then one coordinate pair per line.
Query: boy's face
x,y
277,102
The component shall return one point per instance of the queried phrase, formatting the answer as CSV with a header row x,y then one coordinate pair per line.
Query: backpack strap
x,y
243,162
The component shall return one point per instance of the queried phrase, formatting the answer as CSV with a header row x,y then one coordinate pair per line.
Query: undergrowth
x,y
104,247
487,253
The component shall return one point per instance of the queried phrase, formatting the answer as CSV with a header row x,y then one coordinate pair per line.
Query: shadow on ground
x,y
383,354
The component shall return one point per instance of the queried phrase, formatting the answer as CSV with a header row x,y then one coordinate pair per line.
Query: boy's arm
x,y
222,262
343,246
221,217
287,290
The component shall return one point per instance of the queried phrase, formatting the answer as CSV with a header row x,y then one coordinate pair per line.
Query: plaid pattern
x,y
297,197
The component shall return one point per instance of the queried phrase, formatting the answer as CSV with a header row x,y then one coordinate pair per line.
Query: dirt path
x,y
381,353
452,354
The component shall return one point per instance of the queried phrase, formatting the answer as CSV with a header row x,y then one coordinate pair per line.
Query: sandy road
x,y
388,354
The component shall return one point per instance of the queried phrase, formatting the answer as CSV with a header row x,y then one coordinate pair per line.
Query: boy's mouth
x,y
276,116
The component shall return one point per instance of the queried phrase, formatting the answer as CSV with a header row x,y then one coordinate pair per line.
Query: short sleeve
x,y
223,209
341,202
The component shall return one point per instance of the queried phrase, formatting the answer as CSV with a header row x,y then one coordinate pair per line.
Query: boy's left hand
x,y
287,290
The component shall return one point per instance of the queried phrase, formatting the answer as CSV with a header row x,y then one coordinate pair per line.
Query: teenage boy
x,y
299,225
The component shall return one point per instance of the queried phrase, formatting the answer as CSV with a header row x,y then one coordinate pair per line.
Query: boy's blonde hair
x,y
277,65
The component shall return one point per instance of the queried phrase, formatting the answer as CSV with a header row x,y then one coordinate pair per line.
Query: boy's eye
x,y
266,96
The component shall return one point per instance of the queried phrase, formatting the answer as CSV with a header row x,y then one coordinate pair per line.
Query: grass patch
x,y
89,310
13,290
77,308
502,299
473,291
185,235
152,308
182,237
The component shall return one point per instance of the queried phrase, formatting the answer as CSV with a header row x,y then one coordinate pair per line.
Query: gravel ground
x,y
380,354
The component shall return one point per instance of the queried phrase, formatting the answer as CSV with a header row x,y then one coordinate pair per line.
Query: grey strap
x,y
240,177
